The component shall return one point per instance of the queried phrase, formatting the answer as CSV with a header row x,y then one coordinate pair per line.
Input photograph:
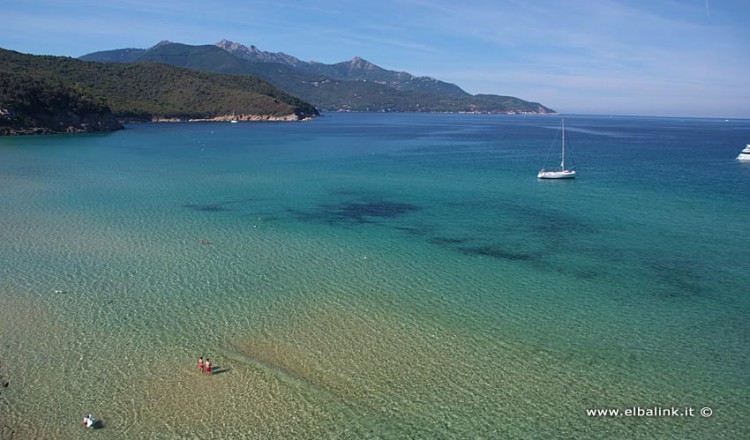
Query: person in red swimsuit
x,y
201,367
208,366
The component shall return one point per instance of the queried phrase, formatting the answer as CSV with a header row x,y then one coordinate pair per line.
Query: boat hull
x,y
556,174
745,153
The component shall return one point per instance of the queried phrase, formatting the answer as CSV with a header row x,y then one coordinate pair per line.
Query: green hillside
x,y
148,90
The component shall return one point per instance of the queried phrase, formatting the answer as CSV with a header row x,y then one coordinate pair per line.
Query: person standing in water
x,y
201,366
208,366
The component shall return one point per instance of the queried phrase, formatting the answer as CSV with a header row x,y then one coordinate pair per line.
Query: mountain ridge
x,y
355,69
354,85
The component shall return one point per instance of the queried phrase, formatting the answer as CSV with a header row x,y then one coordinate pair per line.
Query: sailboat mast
x,y
563,145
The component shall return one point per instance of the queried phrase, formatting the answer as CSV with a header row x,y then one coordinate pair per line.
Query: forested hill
x,y
36,106
59,94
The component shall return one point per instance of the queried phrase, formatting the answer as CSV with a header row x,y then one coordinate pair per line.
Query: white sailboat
x,y
563,173
745,154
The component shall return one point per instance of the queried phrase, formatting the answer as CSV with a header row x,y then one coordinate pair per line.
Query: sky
x,y
612,57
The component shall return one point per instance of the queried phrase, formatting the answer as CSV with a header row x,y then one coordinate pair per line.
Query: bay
x,y
376,276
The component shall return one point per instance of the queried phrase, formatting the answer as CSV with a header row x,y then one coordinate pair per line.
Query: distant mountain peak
x,y
230,46
360,64
252,53
161,43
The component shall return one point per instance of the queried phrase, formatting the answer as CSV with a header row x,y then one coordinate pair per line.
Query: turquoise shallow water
x,y
376,276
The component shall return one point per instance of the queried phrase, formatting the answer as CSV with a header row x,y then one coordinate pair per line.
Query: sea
x,y
377,275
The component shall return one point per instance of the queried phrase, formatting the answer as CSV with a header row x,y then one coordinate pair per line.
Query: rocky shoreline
x,y
240,118
24,131
100,128
61,118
